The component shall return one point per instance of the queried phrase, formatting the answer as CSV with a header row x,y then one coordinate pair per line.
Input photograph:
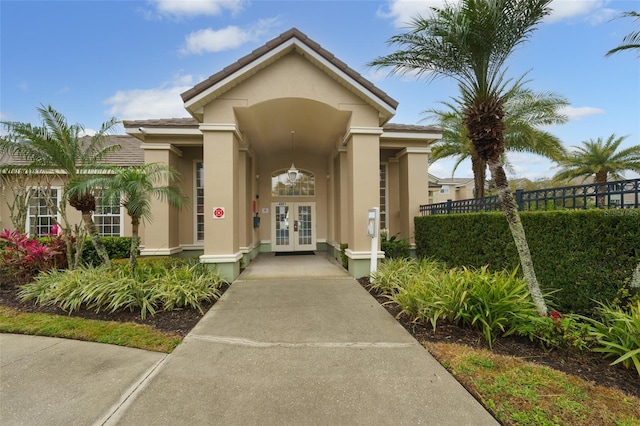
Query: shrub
x,y
152,287
24,257
584,254
492,302
117,248
343,255
555,330
394,247
618,334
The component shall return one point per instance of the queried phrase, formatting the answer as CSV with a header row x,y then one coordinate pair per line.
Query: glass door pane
x,y
282,223
304,225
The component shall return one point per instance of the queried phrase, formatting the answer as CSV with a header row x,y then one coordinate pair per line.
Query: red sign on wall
x,y
218,213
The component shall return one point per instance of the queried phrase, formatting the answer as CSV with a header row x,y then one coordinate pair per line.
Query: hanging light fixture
x,y
292,172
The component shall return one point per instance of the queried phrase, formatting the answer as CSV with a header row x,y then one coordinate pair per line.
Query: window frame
x,y
56,217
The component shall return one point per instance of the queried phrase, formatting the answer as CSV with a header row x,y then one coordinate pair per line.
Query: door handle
x,y
295,226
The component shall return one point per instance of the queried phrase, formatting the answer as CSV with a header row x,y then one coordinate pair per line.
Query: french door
x,y
293,226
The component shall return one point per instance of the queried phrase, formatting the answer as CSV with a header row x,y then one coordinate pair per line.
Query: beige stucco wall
x,y
73,215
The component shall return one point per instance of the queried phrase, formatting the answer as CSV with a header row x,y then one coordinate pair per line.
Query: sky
x,y
131,59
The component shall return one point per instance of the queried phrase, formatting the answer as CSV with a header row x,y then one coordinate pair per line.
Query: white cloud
x,y
568,9
231,37
577,113
191,8
158,102
403,11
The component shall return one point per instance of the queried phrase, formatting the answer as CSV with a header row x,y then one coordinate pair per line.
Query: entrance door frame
x,y
293,232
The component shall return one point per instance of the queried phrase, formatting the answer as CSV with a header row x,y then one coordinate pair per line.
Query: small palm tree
x,y
525,112
470,41
599,159
134,188
58,147
631,40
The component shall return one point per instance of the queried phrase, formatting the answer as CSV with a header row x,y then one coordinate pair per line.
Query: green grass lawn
x,y
112,332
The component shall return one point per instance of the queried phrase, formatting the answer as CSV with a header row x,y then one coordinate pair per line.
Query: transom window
x,y
303,186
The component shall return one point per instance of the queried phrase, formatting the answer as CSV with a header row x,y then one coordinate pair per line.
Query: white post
x,y
372,230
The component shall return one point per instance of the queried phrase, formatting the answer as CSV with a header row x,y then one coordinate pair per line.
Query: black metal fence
x,y
618,194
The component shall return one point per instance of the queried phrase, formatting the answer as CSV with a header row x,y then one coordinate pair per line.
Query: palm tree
x,y
601,160
631,40
59,147
134,188
470,42
525,111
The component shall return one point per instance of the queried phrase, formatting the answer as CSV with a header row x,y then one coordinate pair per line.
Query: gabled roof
x,y
291,40
130,154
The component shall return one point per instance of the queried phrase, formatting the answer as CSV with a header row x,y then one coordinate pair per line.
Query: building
x,y
285,150
454,189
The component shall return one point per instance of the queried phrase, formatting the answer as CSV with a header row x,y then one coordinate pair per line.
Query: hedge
x,y
117,247
586,255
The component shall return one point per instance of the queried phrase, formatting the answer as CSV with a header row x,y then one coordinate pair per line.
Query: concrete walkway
x,y
294,341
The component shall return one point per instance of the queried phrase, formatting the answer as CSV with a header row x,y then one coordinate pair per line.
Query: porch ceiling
x,y
267,126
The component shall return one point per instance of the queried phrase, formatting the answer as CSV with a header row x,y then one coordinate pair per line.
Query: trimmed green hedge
x,y
585,255
117,247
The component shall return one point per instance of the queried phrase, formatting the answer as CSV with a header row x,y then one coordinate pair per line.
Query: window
x,y
304,185
41,218
199,201
107,217
444,189
383,196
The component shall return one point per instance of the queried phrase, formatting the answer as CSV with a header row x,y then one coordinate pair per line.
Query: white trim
x,y
275,53
393,134
162,147
413,150
361,255
361,131
221,258
160,251
162,131
221,127
247,250
192,246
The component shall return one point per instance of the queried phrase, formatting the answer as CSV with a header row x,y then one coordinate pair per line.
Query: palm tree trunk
x,y
601,177
135,244
95,238
635,278
517,231
479,168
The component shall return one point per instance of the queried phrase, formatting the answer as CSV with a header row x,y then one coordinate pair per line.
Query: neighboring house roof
x,y
130,154
449,181
286,42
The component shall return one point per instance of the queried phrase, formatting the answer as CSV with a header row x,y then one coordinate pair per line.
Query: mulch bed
x,y
587,365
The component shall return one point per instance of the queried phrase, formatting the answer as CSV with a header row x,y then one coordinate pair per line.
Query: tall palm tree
x,y
470,42
599,159
631,40
134,188
59,147
525,111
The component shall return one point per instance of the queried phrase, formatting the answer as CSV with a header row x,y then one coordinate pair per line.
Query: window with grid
x,y
41,218
383,196
199,201
107,217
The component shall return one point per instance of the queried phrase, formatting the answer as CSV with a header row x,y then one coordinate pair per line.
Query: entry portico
x,y
288,102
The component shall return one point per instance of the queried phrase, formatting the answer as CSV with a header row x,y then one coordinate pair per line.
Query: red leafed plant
x,y
25,257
